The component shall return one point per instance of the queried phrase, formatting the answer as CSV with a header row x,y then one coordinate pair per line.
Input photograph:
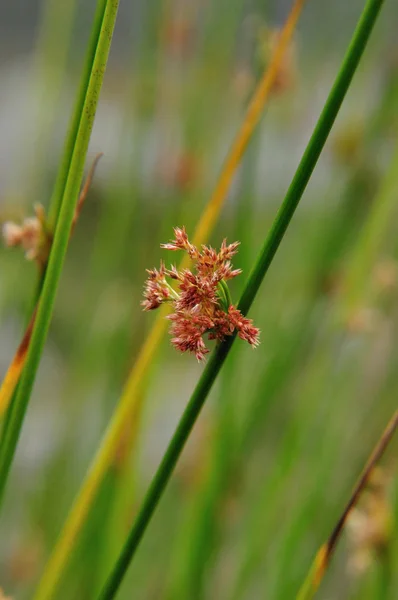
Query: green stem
x,y
167,465
272,242
70,140
61,238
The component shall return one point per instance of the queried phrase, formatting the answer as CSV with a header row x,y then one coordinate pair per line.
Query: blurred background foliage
x,y
288,426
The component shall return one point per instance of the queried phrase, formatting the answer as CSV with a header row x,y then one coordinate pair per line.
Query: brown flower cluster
x,y
201,302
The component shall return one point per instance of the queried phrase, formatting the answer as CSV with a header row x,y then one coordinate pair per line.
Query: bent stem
x,y
130,403
60,242
271,244
324,554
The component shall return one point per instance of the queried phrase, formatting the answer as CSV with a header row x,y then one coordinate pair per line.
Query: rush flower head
x,y
201,303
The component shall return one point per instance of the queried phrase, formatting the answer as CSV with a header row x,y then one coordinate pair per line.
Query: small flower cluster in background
x,y
370,524
32,236
201,304
35,235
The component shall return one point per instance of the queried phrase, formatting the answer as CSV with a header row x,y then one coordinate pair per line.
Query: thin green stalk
x,y
61,238
272,242
201,530
62,175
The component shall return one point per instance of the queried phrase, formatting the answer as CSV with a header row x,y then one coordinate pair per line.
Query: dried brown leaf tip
x,y
201,303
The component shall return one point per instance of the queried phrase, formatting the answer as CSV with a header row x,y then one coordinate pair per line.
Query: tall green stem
x,y
62,174
271,244
61,238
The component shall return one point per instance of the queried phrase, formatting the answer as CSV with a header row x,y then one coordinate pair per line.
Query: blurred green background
x,y
288,426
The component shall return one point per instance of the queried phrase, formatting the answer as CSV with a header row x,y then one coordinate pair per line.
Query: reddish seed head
x,y
157,290
197,306
245,328
181,242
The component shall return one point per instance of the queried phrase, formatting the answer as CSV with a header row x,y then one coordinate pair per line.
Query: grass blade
x,y
12,377
272,242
